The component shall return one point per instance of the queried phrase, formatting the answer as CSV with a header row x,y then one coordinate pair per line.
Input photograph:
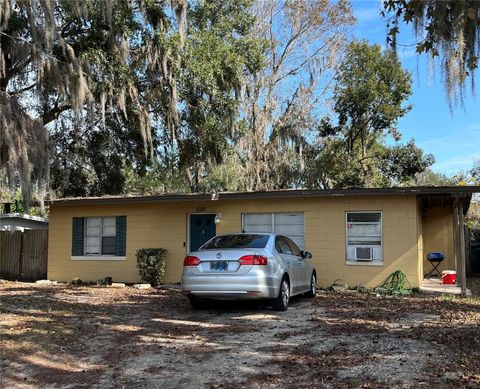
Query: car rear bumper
x,y
233,287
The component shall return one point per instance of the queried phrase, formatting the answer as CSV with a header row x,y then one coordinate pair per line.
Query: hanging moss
x,y
77,59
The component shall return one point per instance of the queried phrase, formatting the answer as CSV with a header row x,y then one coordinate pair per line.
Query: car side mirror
x,y
306,254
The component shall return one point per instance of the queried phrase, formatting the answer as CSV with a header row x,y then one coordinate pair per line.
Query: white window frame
x,y
101,236
272,214
373,262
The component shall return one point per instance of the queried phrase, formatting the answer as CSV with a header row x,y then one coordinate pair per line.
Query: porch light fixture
x,y
218,217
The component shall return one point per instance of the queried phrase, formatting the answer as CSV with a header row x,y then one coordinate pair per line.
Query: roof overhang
x,y
441,191
21,216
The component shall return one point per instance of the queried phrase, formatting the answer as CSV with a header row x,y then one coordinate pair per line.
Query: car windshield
x,y
239,241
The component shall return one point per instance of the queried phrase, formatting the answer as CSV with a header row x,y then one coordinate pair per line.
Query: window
x,y
282,246
100,234
290,224
293,247
237,242
96,238
364,236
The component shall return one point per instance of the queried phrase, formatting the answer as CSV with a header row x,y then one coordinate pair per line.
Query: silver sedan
x,y
248,266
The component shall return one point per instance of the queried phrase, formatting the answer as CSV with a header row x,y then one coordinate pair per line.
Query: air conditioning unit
x,y
364,253
361,253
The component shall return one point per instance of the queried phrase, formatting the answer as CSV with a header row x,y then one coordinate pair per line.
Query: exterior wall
x,y
438,236
420,243
165,225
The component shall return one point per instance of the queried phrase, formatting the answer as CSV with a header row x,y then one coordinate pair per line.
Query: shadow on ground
x,y
52,336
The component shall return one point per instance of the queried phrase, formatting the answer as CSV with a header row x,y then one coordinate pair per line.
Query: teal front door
x,y
202,228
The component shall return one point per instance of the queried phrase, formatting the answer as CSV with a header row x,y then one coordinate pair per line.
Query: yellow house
x,y
358,236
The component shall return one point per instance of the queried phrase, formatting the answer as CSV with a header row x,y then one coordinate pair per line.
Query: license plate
x,y
219,265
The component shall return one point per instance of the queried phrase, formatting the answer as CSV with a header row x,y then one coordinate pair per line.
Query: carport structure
x,y
443,213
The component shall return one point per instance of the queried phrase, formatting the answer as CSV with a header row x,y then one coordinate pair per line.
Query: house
x,y
21,222
359,236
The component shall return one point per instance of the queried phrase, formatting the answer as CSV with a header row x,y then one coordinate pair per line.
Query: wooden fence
x,y
23,255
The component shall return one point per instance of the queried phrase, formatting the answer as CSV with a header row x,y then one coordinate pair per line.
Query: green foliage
x,y
447,29
120,86
475,173
370,96
401,162
156,179
150,96
472,220
227,176
218,53
431,178
151,265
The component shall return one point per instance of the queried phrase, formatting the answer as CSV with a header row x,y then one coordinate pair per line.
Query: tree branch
x,y
27,88
55,111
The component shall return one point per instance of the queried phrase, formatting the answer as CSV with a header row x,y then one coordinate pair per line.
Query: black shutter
x,y
121,237
77,236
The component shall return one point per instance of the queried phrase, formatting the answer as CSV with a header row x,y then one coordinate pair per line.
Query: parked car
x,y
248,266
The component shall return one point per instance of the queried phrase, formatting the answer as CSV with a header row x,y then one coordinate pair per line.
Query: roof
x,y
22,216
449,191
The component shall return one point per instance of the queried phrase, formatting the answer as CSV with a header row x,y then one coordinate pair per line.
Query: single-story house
x,y
358,236
21,222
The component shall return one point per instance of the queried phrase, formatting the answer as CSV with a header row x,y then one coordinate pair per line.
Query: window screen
x,y
290,224
364,236
100,234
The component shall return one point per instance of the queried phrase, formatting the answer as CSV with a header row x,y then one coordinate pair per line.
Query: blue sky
x,y
454,139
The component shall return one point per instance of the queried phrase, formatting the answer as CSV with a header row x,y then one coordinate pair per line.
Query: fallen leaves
x,y
94,331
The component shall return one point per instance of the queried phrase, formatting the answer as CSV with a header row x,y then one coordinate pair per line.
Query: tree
x,y
447,29
303,40
475,172
401,162
77,60
112,85
369,97
219,52
431,178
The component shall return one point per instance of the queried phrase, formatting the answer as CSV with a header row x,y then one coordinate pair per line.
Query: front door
x,y
202,228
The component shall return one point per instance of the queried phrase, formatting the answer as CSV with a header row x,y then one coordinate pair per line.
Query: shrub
x,y
151,265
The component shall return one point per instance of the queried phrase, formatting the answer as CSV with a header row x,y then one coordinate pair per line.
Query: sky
x,y
454,139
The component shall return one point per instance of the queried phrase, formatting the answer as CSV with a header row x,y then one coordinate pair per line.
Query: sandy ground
x,y
97,336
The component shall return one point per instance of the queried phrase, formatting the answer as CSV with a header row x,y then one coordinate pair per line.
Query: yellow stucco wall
x,y
438,236
165,225
420,243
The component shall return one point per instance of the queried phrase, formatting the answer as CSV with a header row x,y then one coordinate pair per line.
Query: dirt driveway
x,y
69,336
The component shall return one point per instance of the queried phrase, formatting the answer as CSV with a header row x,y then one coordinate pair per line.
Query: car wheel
x,y
281,302
313,286
197,304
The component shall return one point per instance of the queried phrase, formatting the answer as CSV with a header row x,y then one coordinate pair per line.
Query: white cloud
x,y
455,164
454,152
369,12
459,139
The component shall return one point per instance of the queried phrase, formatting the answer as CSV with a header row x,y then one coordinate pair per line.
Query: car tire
x,y
313,287
197,304
281,301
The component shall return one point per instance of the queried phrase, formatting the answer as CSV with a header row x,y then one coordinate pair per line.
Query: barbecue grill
x,y
435,260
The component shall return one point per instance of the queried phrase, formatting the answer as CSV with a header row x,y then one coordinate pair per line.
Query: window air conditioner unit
x,y
364,253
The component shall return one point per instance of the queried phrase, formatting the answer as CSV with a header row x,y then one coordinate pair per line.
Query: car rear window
x,y
240,241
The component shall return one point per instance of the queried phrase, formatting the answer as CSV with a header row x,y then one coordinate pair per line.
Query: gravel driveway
x,y
89,336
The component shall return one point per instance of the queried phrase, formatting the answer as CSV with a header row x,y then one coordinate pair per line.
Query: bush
x,y
151,265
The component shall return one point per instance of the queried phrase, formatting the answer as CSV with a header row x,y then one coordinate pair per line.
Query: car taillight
x,y
253,260
190,260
